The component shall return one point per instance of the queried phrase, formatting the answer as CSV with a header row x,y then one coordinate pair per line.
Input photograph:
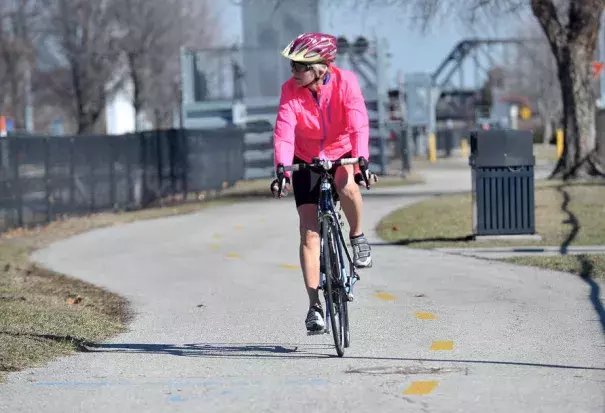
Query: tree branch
x,y
546,14
584,16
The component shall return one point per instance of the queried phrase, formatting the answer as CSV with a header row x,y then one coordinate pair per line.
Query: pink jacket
x,y
329,127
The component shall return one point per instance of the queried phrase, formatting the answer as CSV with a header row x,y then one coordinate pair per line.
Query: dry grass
x,y
43,314
446,221
590,265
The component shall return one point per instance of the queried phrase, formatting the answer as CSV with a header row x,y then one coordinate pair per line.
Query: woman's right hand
x,y
280,185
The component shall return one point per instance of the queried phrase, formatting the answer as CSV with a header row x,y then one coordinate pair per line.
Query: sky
x,y
411,50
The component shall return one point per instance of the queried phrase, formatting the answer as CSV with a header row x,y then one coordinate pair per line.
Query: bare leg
x,y
350,198
309,250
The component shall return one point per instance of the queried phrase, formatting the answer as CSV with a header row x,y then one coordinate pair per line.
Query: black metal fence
x,y
42,178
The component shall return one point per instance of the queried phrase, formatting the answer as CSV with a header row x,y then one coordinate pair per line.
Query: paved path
x,y
219,327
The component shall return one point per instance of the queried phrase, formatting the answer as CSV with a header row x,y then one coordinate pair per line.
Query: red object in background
x,y
597,68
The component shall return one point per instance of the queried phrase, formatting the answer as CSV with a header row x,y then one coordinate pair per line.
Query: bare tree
x,y
571,27
17,35
152,32
143,24
535,76
83,35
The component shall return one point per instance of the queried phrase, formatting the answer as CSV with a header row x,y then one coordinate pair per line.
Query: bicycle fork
x,y
348,281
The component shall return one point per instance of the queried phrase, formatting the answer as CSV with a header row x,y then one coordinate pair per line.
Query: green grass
x,y
545,153
590,265
446,221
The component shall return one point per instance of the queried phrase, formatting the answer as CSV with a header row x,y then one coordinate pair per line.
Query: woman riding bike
x,y
322,113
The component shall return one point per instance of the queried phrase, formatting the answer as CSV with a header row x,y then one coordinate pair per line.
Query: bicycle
x,y
339,291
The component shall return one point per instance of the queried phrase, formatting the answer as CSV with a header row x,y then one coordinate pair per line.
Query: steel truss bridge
x,y
460,94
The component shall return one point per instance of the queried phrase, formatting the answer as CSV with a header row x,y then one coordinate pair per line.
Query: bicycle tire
x,y
333,307
344,301
345,319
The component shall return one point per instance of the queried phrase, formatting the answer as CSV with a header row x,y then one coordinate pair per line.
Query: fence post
x,y
143,168
47,178
92,174
13,146
432,148
560,143
405,149
128,160
184,161
112,173
381,101
160,175
171,160
72,173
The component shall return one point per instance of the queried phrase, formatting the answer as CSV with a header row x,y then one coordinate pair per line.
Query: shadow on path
x,y
587,266
290,351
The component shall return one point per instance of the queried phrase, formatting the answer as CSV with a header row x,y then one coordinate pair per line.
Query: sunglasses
x,y
300,67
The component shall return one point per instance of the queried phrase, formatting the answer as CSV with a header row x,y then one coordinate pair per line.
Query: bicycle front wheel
x,y
333,291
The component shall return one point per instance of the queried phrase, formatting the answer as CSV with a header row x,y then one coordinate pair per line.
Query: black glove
x,y
369,175
281,184
284,189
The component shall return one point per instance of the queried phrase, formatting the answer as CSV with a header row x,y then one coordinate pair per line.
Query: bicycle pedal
x,y
317,333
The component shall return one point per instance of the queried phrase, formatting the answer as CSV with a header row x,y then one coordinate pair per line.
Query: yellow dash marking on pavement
x,y
290,266
238,228
421,387
214,246
442,345
217,236
426,316
233,255
385,296
263,220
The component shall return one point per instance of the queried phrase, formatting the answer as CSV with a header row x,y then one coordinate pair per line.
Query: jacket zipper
x,y
323,123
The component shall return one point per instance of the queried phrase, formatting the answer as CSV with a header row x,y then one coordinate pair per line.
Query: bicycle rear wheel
x,y
333,291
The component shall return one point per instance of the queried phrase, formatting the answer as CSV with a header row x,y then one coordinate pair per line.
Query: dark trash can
x,y
502,166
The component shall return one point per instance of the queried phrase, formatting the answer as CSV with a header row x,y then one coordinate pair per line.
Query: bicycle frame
x,y
326,208
326,211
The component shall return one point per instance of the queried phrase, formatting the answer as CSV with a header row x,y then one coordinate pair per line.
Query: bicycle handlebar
x,y
326,165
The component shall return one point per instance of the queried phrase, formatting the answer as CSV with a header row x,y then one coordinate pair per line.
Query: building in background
x,y
267,27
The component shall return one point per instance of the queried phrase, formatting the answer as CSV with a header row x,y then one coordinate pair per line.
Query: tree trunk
x,y
574,70
600,121
79,97
137,92
573,46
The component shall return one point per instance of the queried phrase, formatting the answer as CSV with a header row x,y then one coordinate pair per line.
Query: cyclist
x,y
321,113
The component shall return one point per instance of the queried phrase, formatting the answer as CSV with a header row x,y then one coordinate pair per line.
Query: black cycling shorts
x,y
305,183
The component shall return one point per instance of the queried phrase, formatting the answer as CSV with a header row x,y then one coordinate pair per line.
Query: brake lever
x,y
363,167
281,177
